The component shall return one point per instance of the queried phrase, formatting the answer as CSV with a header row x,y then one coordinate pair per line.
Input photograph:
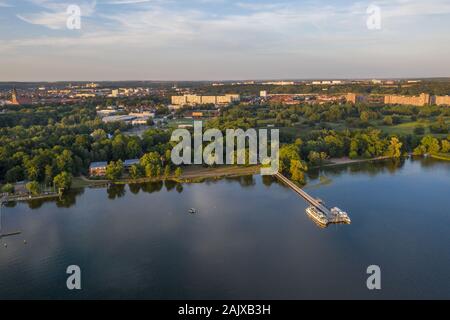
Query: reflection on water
x,y
250,239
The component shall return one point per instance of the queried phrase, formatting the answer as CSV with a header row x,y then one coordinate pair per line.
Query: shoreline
x,y
346,161
192,174
198,173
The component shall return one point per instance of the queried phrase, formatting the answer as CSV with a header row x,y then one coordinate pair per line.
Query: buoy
x,y
25,241
5,245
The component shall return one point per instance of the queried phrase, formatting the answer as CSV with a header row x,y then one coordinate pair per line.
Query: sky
x,y
223,39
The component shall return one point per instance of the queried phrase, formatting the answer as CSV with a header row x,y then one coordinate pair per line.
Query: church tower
x,y
14,100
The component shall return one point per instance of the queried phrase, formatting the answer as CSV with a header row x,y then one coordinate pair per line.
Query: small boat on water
x,y
192,211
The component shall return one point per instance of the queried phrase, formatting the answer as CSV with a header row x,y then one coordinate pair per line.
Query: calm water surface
x,y
250,239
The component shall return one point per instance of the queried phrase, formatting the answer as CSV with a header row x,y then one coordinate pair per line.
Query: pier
x,y
7,234
333,216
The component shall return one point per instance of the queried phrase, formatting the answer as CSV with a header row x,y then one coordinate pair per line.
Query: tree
x,y
49,174
365,116
114,170
297,170
178,172
317,158
166,171
136,171
445,146
134,149
14,174
394,148
287,154
63,180
8,188
99,134
428,144
388,121
64,161
440,126
33,187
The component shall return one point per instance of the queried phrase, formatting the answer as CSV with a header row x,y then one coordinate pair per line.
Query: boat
x,y
339,216
192,211
317,216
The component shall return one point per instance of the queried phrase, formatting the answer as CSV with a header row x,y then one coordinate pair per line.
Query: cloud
x,y
121,2
4,4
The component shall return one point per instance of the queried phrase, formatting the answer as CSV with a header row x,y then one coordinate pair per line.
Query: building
x,y
192,99
127,164
279,83
106,112
418,101
97,169
17,101
354,98
441,100
197,114
263,94
120,118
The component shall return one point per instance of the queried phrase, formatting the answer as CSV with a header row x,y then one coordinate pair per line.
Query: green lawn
x,y
405,128
408,128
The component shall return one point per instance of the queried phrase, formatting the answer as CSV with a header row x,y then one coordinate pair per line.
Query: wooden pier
x,y
332,215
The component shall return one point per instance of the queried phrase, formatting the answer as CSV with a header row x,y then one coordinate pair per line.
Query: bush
x,y
8,188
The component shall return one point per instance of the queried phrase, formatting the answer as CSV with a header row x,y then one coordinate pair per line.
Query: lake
x,y
250,238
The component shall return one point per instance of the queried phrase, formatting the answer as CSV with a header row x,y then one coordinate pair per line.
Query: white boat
x,y
317,216
339,216
192,211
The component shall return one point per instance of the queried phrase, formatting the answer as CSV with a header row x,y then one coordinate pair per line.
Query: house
x,y
97,168
127,164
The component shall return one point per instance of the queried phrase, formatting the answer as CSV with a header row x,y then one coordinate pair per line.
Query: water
x,y
250,239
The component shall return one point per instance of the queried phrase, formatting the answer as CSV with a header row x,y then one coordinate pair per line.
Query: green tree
x,y
445,146
317,158
63,181
166,171
64,161
33,187
136,171
388,121
428,144
178,172
365,116
14,174
395,148
297,170
114,170
49,174
8,188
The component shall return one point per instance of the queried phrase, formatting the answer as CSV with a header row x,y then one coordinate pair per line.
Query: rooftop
x,y
95,165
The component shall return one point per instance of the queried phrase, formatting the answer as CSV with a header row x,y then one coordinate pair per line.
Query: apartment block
x,y
196,99
419,101
442,100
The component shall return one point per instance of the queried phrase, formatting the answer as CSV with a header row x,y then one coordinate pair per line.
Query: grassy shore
x,y
441,156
